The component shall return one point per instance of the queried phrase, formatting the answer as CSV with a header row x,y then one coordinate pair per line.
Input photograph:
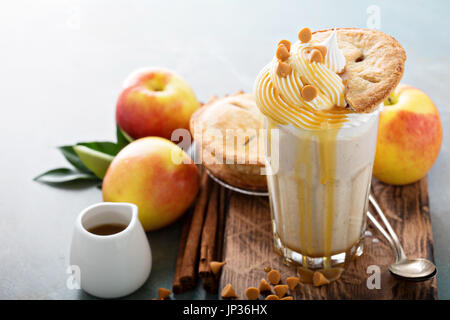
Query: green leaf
x,y
63,175
73,158
98,162
109,148
122,137
90,160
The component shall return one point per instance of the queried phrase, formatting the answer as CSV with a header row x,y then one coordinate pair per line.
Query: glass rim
x,y
352,119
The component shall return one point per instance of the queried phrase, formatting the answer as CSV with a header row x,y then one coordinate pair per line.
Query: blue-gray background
x,y
61,67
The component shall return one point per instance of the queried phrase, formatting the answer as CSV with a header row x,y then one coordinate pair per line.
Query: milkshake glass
x,y
319,189
319,153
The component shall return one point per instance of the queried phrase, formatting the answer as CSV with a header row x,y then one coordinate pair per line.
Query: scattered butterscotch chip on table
x,y
319,279
267,269
292,282
252,293
163,293
306,275
228,292
274,276
332,274
281,290
264,286
272,297
216,266
287,298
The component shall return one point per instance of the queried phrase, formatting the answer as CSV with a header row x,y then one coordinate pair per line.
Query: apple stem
x,y
391,100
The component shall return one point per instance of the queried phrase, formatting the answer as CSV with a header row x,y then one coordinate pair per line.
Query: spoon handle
x,y
384,233
396,241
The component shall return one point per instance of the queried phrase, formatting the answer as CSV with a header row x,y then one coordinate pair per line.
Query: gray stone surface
x,y
61,68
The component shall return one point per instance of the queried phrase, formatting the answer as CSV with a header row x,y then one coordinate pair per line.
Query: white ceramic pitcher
x,y
114,265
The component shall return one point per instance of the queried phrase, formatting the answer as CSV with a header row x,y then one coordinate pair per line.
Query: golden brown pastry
x,y
231,143
375,65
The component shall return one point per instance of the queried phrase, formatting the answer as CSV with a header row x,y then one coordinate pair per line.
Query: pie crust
x,y
375,65
228,134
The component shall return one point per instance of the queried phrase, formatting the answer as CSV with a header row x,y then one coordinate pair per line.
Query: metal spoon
x,y
410,269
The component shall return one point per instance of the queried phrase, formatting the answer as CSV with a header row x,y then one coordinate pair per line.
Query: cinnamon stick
x,y
223,198
177,287
208,241
212,238
188,269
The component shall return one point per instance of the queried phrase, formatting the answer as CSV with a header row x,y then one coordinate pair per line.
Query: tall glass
x,y
319,182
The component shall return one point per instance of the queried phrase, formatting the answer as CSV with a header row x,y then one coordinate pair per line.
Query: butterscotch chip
x,y
274,276
306,275
216,266
286,43
163,293
287,298
228,292
267,269
252,293
272,297
264,286
322,49
282,53
309,92
283,69
319,279
316,56
292,282
332,274
305,35
281,290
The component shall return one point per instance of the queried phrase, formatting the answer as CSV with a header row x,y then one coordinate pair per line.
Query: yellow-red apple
x,y
409,137
157,176
154,102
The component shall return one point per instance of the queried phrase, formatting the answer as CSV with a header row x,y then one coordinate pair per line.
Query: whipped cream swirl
x,y
334,59
280,98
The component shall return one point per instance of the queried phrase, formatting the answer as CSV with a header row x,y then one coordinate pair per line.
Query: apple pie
x,y
375,65
228,134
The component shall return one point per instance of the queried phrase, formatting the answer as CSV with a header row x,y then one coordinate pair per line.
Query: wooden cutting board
x,y
248,247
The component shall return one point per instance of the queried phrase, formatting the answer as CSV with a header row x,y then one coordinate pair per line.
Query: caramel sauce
x,y
326,140
107,229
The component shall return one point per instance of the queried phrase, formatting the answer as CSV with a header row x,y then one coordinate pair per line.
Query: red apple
x,y
409,137
157,176
155,102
